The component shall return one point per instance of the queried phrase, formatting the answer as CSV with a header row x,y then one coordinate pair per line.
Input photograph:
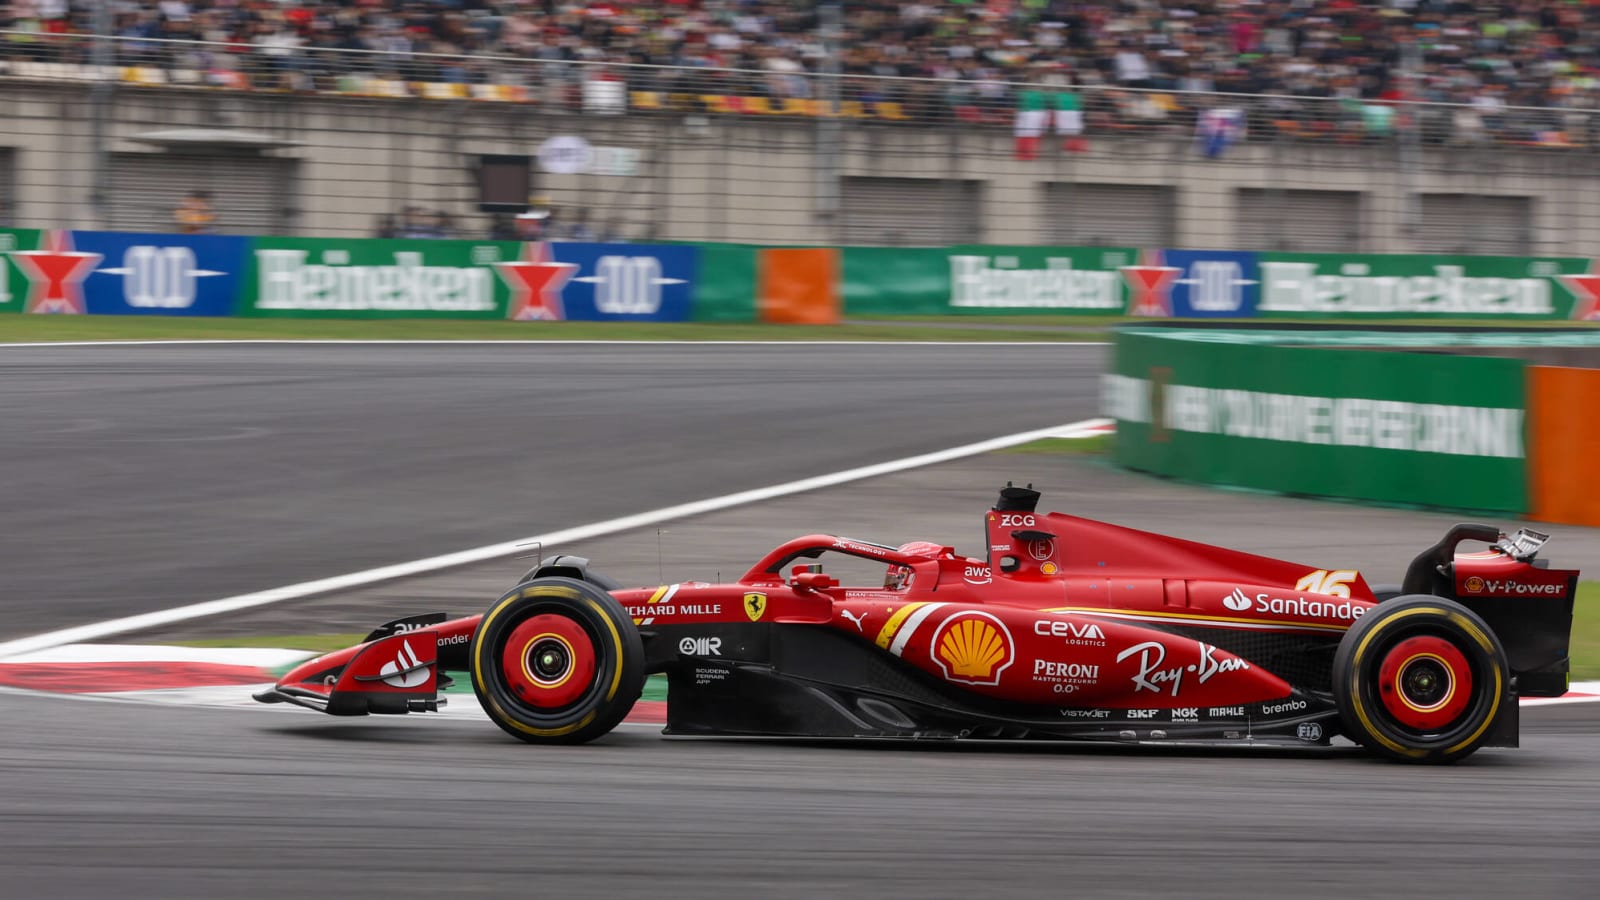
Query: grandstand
x,y
1450,94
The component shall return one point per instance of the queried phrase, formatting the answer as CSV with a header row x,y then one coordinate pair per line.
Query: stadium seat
x,y
143,75
891,111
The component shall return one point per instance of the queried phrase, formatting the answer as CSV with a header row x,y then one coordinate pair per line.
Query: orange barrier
x,y
1563,437
796,286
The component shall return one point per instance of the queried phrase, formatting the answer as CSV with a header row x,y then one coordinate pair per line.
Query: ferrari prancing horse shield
x,y
755,606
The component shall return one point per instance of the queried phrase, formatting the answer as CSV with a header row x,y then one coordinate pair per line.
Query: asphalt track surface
x,y
117,800
101,799
145,477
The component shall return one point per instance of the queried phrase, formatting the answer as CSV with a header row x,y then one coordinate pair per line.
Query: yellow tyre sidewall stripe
x,y
1472,631
477,660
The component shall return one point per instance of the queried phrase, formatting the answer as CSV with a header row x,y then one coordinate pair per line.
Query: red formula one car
x,y
1066,629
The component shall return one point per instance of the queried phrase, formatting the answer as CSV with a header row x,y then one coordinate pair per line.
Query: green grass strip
x,y
1094,445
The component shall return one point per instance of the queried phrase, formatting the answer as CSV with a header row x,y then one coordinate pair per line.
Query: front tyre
x,y
556,661
1420,679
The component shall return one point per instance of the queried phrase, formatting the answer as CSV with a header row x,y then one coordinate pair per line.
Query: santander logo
x,y
405,670
1237,601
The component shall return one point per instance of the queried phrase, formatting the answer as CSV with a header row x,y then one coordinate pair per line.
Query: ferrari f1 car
x,y
1065,629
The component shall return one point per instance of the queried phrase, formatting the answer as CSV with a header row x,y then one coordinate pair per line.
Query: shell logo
x,y
1474,585
972,647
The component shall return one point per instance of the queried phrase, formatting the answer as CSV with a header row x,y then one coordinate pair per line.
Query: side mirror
x,y
814,581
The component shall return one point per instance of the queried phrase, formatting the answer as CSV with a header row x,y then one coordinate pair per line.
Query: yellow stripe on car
x,y
895,621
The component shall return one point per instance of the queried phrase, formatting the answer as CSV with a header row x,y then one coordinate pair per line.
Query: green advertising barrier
x,y
1427,429
351,277
1375,286
13,283
725,290
894,281
984,280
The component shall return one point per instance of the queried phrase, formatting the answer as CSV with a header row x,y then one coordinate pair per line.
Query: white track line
x,y
105,629
545,342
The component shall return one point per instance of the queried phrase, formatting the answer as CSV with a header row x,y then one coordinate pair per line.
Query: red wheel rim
x,y
549,661
1425,683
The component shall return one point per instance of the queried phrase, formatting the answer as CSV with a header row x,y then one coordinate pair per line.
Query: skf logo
x,y
1474,585
755,606
972,647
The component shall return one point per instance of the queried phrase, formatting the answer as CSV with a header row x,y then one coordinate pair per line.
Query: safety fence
x,y
1446,428
103,272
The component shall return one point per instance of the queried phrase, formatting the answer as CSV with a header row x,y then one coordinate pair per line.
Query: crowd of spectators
x,y
1486,56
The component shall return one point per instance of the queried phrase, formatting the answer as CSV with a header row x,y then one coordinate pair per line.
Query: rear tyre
x,y
1420,679
556,661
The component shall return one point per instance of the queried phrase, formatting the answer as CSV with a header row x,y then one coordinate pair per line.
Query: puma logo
x,y
858,619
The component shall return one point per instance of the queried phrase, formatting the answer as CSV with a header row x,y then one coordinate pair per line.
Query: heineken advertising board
x,y
1331,285
1430,429
1213,284
116,273
57,271
469,280
162,274
345,278
982,280
20,270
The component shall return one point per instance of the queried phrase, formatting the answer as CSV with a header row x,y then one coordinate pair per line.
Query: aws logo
x,y
973,648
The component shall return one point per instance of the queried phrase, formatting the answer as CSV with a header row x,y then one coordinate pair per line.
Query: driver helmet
x,y
899,576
